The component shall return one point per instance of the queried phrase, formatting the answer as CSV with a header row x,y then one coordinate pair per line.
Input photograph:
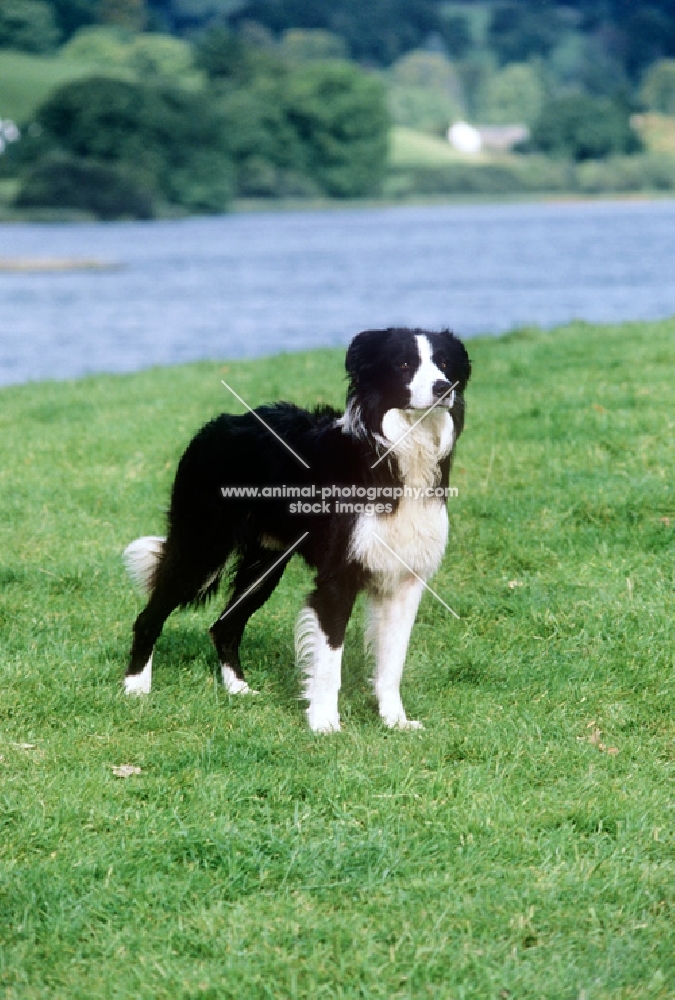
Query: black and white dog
x,y
393,443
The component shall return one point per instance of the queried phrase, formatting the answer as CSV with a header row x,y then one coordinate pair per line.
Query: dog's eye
x,y
443,365
404,366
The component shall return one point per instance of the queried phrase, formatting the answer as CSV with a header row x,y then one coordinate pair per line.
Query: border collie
x,y
394,442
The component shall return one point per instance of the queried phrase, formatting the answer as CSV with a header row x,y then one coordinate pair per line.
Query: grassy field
x,y
521,846
408,147
25,80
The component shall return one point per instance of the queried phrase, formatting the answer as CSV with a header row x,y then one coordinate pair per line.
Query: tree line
x,y
631,35
201,101
253,127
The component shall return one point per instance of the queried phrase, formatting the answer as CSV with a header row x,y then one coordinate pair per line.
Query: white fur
x,y
390,621
351,421
139,684
321,665
418,530
418,443
421,387
232,683
141,557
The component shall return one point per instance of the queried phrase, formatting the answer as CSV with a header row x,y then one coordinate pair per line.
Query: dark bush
x,y
584,128
172,141
62,181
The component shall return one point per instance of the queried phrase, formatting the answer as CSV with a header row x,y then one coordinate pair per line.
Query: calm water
x,y
246,285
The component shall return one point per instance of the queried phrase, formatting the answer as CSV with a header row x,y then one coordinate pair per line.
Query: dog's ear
x,y
460,365
363,353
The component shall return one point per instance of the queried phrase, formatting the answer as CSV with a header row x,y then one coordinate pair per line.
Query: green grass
x,y
410,148
503,852
26,80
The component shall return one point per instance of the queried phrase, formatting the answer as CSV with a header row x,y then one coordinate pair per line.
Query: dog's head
x,y
407,370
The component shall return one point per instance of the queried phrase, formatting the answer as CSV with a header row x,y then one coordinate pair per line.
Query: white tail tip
x,y
141,557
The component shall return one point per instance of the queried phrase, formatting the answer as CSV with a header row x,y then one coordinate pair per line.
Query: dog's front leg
x,y
391,618
319,639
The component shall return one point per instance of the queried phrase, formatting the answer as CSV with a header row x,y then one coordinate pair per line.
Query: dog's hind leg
x,y
255,579
175,583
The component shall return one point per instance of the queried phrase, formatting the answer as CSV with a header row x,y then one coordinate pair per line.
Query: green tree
x,y
520,30
456,35
99,45
226,57
424,92
375,31
161,56
658,89
584,128
513,94
170,140
28,25
269,155
341,117
146,55
73,14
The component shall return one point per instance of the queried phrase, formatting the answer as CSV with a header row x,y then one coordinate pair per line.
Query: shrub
x,y
650,172
518,176
170,140
62,181
529,174
584,128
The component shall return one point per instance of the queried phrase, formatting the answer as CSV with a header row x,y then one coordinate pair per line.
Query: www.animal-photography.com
x,y
336,500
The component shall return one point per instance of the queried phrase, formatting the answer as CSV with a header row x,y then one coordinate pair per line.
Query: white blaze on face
x,y
422,386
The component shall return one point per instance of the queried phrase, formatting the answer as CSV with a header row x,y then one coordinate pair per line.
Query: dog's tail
x,y
141,558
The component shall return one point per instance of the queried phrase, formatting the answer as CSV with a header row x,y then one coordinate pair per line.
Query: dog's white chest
x,y
414,537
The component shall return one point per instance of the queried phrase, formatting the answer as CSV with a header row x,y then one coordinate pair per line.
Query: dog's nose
x,y
440,388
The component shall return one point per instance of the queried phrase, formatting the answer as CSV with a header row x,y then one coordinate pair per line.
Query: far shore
x,y
270,205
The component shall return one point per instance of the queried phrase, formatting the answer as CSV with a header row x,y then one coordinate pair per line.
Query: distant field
x,y
25,80
520,847
409,148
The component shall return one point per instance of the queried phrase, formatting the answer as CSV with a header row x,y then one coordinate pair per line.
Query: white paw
x,y
399,720
319,722
139,684
409,724
234,684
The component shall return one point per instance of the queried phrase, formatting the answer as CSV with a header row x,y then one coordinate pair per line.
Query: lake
x,y
252,284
